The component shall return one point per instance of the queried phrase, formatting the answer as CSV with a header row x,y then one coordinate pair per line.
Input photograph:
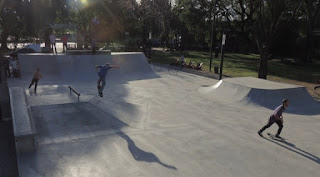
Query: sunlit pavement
x,y
157,122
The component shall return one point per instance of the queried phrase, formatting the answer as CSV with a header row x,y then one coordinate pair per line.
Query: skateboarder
x,y
277,118
36,77
102,76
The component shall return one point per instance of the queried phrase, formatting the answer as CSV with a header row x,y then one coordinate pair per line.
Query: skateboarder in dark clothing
x,y
102,76
36,77
277,118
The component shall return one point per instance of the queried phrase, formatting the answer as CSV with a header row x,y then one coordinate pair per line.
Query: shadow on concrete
x,y
293,148
141,155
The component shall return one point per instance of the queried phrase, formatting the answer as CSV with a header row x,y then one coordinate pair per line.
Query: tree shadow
x,y
295,149
141,155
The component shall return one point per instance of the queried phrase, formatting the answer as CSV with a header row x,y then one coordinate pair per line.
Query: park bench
x,y
23,125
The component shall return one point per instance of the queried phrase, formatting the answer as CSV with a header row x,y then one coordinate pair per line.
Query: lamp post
x,y
150,45
222,53
212,33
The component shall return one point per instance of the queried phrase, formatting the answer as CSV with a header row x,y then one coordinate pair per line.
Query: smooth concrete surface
x,y
249,90
154,122
23,125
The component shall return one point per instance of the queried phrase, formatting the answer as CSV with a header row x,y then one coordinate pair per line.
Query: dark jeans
x,y
53,45
35,82
272,120
103,80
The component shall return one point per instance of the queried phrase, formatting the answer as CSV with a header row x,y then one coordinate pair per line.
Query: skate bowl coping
x,y
23,125
88,52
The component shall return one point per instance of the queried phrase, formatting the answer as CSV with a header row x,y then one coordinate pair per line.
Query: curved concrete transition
x,y
269,94
156,122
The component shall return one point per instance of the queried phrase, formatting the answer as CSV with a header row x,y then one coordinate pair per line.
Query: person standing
x,y
36,77
53,42
102,76
6,66
14,65
93,46
277,118
64,43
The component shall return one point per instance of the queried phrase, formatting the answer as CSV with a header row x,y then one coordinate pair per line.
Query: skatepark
x,y
153,121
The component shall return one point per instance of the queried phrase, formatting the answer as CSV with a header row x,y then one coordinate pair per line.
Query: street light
x,y
212,33
222,53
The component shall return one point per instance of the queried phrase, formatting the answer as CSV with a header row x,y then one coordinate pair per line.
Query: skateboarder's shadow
x,y
295,149
141,155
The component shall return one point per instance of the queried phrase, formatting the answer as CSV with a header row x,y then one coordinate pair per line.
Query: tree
x,y
312,13
196,17
269,18
241,12
8,20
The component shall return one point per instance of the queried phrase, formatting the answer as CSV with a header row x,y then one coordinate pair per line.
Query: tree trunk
x,y
263,69
308,56
309,47
86,39
4,39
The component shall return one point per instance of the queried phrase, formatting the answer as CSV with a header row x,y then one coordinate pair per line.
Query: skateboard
x,y
272,136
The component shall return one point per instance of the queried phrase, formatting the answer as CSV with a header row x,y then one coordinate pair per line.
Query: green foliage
x,y
244,65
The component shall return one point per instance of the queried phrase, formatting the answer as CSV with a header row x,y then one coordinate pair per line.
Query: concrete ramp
x,y
81,68
268,94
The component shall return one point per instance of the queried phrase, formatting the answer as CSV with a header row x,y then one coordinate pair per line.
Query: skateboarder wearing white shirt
x,y
277,118
102,76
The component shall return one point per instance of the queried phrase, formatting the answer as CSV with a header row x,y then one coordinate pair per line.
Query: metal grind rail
x,y
74,91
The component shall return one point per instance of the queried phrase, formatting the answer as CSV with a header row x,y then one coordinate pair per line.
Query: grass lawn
x,y
242,65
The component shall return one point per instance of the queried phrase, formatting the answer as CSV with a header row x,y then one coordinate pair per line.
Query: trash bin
x,y
216,69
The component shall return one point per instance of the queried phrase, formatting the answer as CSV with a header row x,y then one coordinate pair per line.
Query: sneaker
x,y
260,134
100,94
277,136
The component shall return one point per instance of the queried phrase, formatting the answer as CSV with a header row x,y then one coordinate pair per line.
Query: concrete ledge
x,y
23,125
88,52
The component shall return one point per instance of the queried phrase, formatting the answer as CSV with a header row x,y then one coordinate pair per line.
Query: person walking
x,y
53,42
277,118
102,76
36,77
